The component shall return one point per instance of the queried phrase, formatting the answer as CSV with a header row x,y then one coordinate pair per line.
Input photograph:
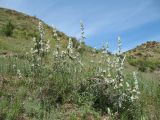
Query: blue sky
x,y
136,21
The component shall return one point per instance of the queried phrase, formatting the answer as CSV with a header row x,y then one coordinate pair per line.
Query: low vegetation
x,y
8,29
145,57
145,65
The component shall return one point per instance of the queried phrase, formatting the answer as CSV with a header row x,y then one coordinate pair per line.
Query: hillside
x,y
146,56
25,28
150,49
39,82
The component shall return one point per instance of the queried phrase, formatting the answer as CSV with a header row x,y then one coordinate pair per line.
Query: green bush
x,y
7,29
101,94
144,65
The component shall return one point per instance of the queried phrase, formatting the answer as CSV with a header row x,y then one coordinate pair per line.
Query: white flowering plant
x,y
112,91
40,49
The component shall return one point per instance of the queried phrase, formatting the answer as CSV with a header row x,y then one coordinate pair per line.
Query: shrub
x,y
104,96
111,94
8,29
144,64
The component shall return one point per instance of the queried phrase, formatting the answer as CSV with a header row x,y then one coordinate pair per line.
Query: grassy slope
x,y
26,28
146,56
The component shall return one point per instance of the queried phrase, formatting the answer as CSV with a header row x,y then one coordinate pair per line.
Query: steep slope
x,y
25,27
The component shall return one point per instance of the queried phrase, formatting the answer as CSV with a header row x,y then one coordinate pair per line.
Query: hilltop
x,y
150,49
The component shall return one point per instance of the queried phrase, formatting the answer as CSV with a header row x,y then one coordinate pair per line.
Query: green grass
x,y
145,64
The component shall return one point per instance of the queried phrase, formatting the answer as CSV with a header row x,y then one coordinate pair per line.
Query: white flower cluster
x,y
119,45
70,46
19,73
122,90
58,54
135,90
58,47
64,54
82,34
41,47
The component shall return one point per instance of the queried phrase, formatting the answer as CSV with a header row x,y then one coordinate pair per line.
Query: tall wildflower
x,y
82,34
108,60
40,48
43,45
72,53
59,53
135,90
119,62
104,61
19,73
70,46
93,55
58,47
119,45
123,91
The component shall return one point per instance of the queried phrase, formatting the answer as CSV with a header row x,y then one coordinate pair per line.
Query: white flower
x,y
41,49
32,65
109,74
136,97
38,59
127,84
34,39
109,111
115,87
35,44
120,84
57,46
58,39
119,103
138,92
47,47
19,73
14,65
70,46
55,34
133,90
92,61
35,51
41,42
132,98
